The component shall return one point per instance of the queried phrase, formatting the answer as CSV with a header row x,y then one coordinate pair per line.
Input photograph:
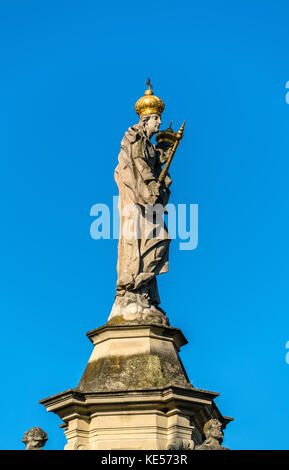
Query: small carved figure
x,y
35,438
214,436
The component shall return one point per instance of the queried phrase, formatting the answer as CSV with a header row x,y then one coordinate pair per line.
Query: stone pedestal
x,y
134,394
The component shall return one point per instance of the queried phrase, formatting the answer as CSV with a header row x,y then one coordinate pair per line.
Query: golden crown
x,y
149,104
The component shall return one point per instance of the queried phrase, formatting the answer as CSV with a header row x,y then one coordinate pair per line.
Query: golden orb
x,y
168,136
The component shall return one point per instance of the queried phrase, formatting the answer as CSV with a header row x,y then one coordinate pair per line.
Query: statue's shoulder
x,y
132,135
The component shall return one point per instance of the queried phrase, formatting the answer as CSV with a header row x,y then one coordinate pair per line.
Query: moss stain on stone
x,y
117,321
123,372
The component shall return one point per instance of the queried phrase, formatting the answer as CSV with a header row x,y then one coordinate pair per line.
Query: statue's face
x,y
33,444
29,440
216,431
153,124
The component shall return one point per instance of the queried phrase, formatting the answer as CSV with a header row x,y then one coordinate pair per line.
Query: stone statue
x,y
35,438
214,436
144,240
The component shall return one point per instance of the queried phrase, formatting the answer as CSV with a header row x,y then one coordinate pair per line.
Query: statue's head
x,y
150,108
35,438
150,123
213,429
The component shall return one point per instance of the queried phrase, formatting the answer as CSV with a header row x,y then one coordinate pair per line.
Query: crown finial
x,y
149,104
149,91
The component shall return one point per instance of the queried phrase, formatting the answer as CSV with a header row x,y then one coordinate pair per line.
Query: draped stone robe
x,y
141,259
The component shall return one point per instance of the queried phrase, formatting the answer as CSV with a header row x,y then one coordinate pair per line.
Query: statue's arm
x,y
151,188
135,169
163,151
151,192
134,173
158,193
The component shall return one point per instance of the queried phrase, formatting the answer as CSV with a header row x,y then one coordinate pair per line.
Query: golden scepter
x,y
165,170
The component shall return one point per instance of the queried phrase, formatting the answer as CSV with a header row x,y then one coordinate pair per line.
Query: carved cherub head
x,y
35,438
213,430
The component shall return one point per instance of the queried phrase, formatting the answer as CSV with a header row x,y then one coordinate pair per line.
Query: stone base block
x,y
134,394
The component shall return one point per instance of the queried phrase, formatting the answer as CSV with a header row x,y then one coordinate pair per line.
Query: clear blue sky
x,y
71,72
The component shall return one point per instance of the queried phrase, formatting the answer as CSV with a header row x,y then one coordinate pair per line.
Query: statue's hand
x,y
154,188
165,151
164,146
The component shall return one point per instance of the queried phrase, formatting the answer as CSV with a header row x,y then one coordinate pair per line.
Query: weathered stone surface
x,y
35,438
214,436
134,372
163,418
151,318
181,444
134,358
134,394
